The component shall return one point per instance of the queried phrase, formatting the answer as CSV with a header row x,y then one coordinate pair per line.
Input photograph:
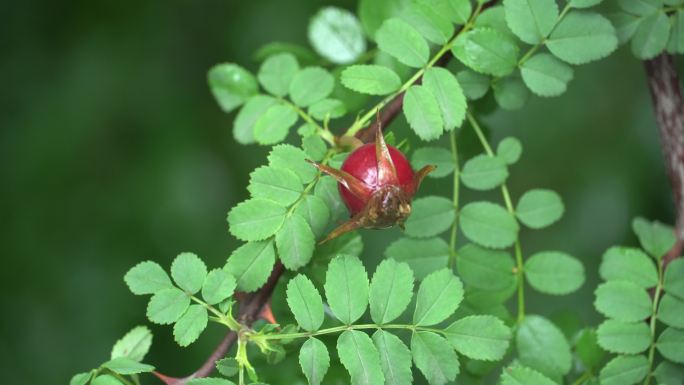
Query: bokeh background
x,y
112,151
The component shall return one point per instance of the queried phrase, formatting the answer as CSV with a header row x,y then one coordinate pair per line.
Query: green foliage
x,y
554,272
295,242
189,272
485,269
655,237
218,286
256,219
674,278
545,75
610,301
189,327
445,87
438,296
314,360
305,303
250,264
147,278
395,358
310,85
391,290
134,345
671,311
628,264
539,208
624,370
509,149
531,20
488,224
434,26
370,79
480,337
484,172
434,357
243,126
437,156
358,354
671,344
537,334
522,375
432,216
276,73
231,85
422,255
487,51
582,37
403,42
423,113
167,306
346,288
336,35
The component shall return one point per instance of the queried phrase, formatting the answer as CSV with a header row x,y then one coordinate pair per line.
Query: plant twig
x,y
666,97
250,307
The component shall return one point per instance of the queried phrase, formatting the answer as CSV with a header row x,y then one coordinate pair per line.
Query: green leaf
x,y
82,378
668,373
487,51
624,370
537,334
231,85
107,379
656,238
462,10
640,7
495,18
189,272
625,24
539,208
509,150
520,375
488,224
434,357
256,219
314,210
438,296
582,37
243,126
675,43
434,26
484,172
444,86
531,20
395,358
134,345
651,35
295,242
545,75
474,85
251,264
346,288
327,109
400,40
430,216
285,156
374,12
314,147
674,278
391,290
326,189
484,268
510,93
423,113
370,79
336,34
274,124
167,306
276,73
126,366
189,327
422,255
628,264
228,367
587,348
279,185
584,3
310,85
671,344
314,359
624,337
210,381
437,156
480,337
147,278
305,303
218,286
554,272
359,356
622,300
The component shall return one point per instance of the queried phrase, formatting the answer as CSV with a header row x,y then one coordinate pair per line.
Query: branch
x,y
250,308
666,97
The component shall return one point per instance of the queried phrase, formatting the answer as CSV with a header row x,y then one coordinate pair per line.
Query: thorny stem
x,y
509,206
454,226
654,318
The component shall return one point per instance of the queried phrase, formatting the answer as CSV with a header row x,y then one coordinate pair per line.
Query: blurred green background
x,y
112,151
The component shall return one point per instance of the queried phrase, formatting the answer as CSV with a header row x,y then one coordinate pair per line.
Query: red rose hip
x,y
377,184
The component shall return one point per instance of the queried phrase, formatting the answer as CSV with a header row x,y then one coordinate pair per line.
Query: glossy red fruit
x,y
377,184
